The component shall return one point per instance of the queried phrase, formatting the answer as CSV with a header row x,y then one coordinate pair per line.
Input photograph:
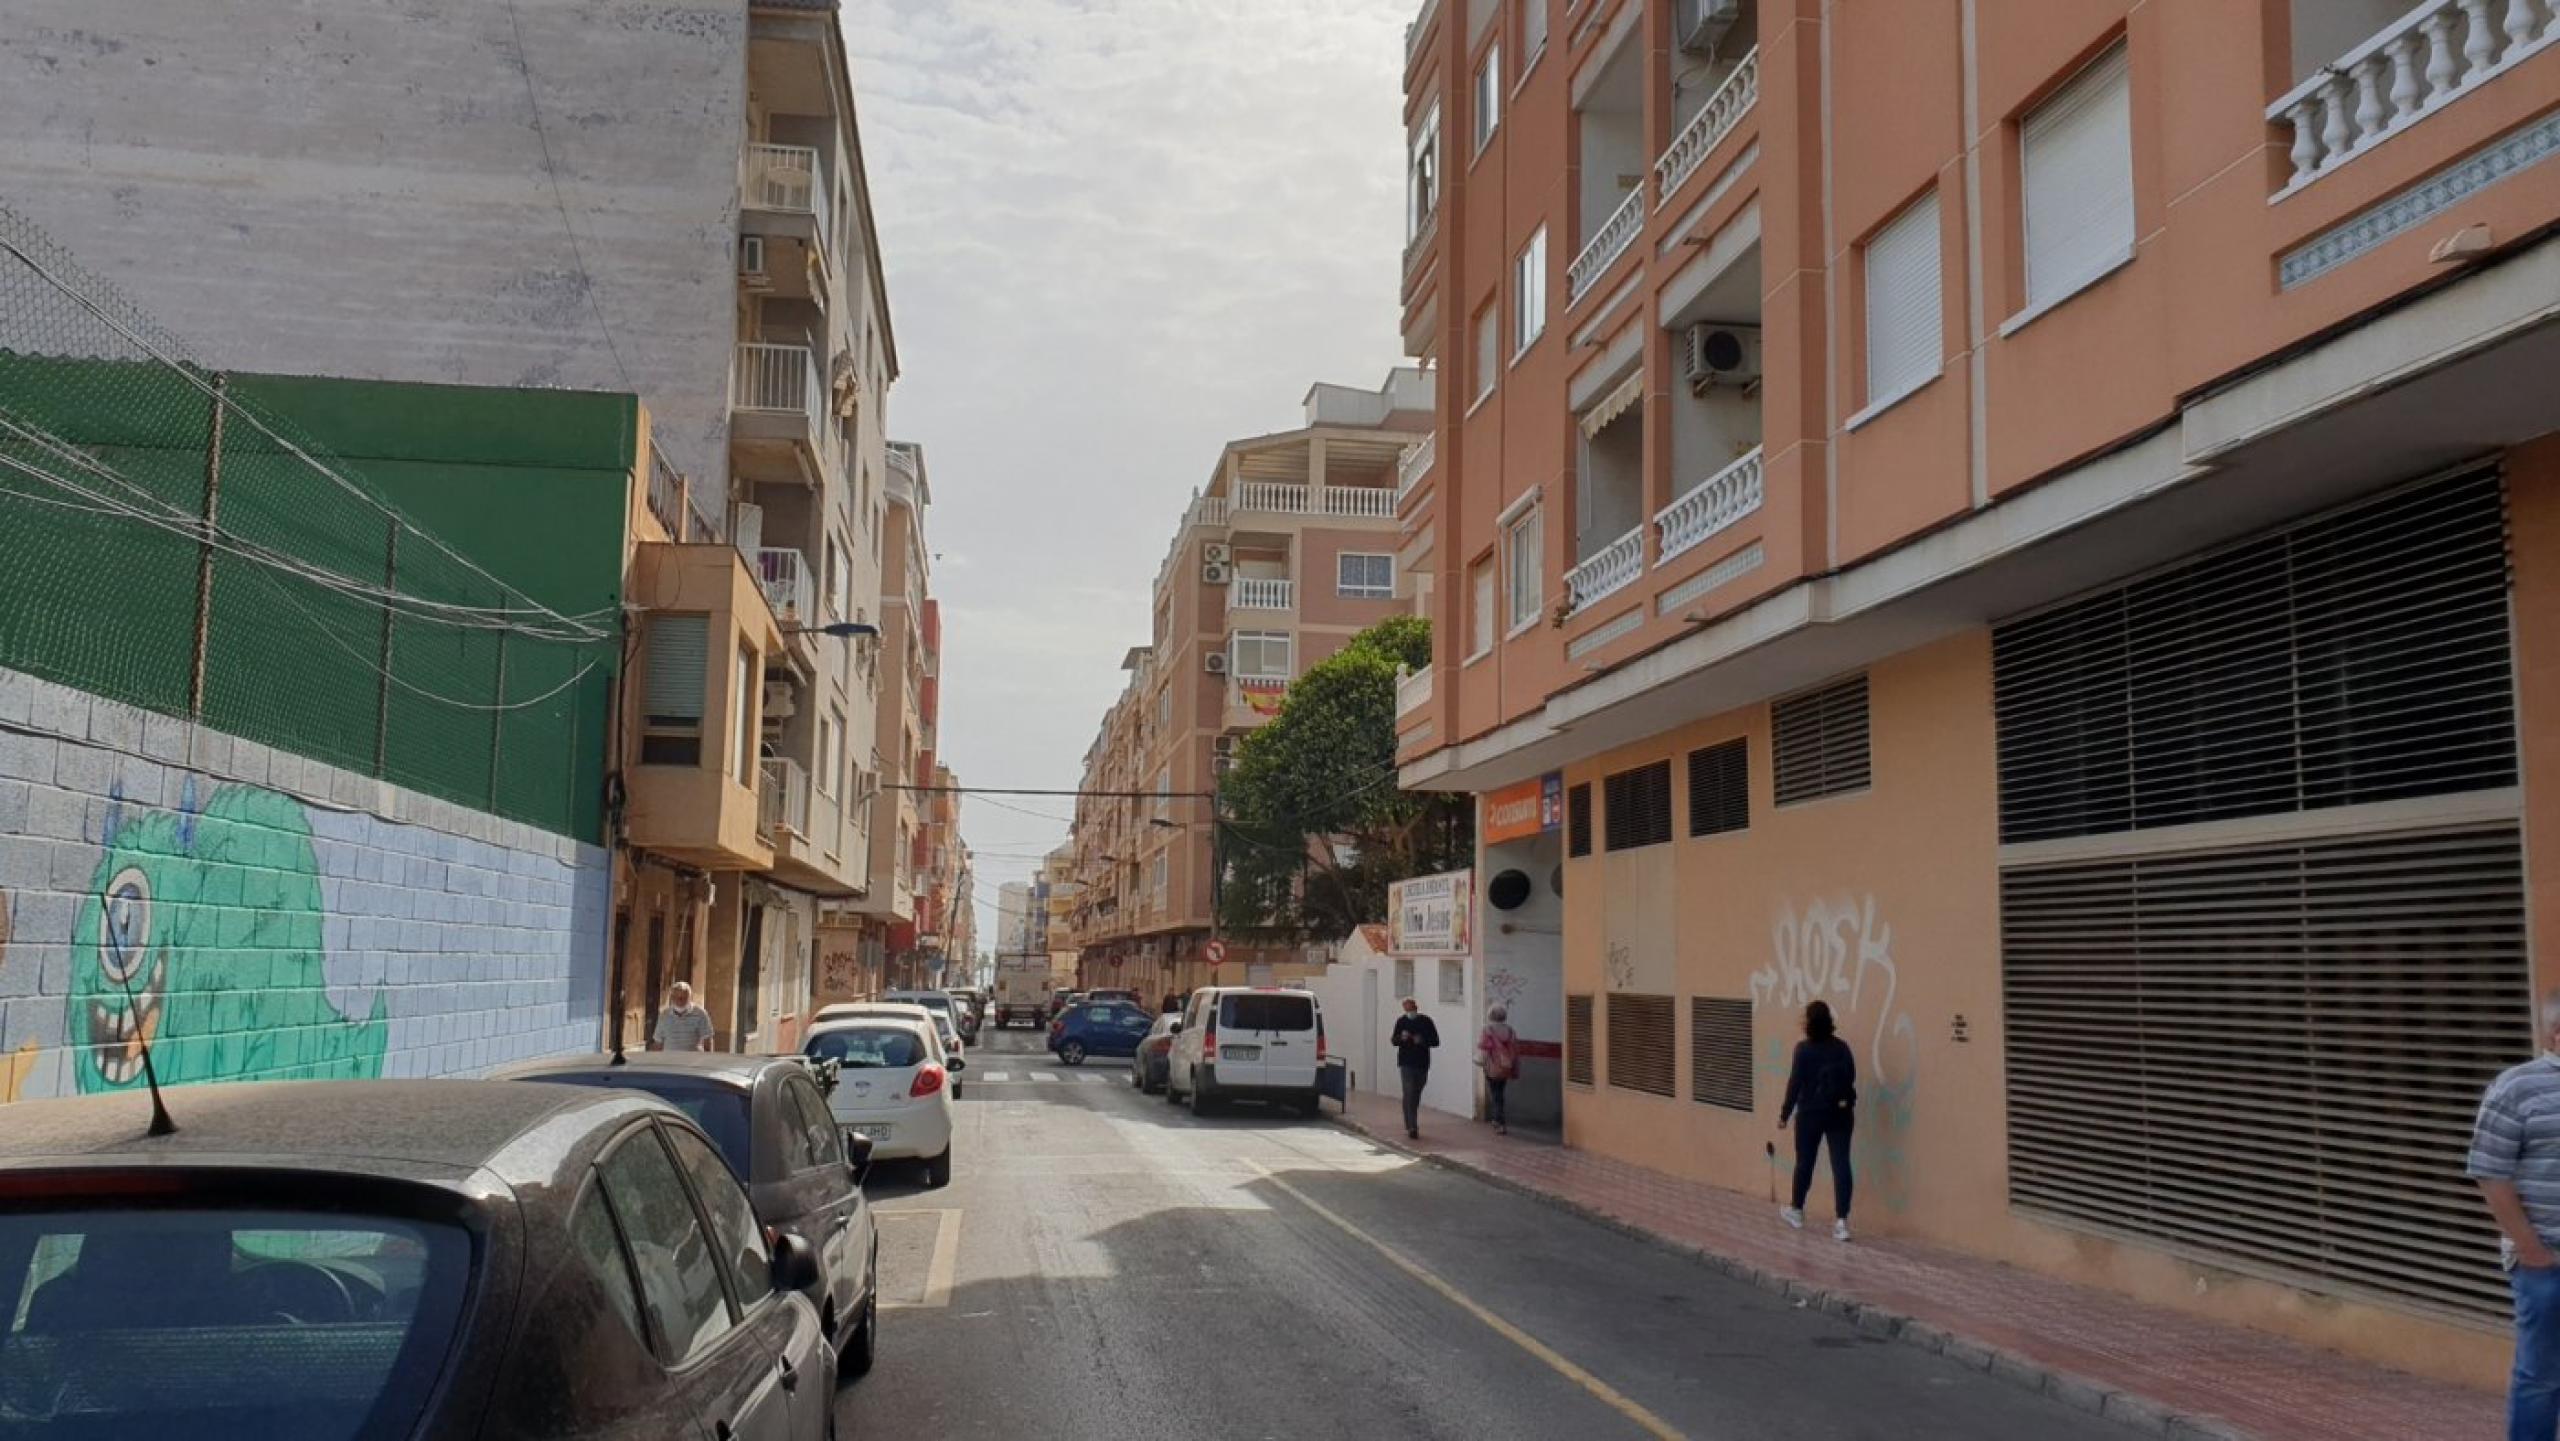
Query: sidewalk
x,y
2167,1372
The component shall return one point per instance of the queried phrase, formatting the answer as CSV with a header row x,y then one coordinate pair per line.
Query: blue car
x,y
1098,1028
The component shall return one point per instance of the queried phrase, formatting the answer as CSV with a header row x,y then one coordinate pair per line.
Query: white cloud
x,y
1118,234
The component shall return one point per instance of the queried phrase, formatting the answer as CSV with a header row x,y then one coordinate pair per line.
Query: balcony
x,y
1724,498
1612,570
1254,592
1413,691
785,179
1713,122
2410,69
776,380
1413,465
1420,27
1272,497
783,800
1613,240
785,574
685,799
1360,502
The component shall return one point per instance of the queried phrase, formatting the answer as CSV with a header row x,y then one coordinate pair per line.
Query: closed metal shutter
x,y
1640,1044
1577,1040
1577,826
1720,1052
679,662
1818,741
2272,1052
2360,656
1720,788
1639,803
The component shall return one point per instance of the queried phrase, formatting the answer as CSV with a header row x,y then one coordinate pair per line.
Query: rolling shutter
x,y
1639,807
1640,1044
1818,742
1720,788
2076,161
1906,325
1577,805
1577,1040
2272,1052
679,660
1720,1052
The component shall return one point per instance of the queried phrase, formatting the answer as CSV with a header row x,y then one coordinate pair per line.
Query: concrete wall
x,y
272,917
1361,997
343,172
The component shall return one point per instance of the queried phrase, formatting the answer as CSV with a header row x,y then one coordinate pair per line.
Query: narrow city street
x,y
1104,1264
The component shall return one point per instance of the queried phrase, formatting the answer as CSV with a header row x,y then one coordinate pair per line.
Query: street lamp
x,y
839,630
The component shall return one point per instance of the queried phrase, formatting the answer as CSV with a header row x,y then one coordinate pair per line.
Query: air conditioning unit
x,y
1720,355
751,272
1225,745
1215,662
779,702
1698,24
1217,552
1214,573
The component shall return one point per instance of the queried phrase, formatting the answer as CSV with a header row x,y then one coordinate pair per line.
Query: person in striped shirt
x,y
2515,1156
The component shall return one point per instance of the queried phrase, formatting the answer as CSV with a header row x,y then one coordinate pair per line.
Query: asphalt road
x,y
1104,1265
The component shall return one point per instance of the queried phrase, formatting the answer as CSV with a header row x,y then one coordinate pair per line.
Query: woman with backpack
x,y
1822,1097
1498,1052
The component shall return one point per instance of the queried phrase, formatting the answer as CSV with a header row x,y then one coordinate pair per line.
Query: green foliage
x,y
1316,828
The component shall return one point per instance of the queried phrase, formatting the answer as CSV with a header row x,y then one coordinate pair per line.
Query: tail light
x,y
1209,1036
928,1081
1319,1040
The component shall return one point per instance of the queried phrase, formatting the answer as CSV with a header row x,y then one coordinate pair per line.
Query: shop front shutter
x,y
1640,1043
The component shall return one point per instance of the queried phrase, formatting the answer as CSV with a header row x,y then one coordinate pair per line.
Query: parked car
x,y
938,1002
892,1086
1113,993
947,1031
1147,1068
430,1259
768,1115
1060,1000
1247,1043
1097,1028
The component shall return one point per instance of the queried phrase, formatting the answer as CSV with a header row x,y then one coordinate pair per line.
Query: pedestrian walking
x,y
1498,1051
1414,1038
682,1026
2515,1156
1822,1098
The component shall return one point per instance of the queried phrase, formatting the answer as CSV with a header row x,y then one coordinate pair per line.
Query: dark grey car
x,y
374,1260
803,1174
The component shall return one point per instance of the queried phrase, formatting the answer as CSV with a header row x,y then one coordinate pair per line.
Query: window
x,y
1480,618
1818,742
1365,577
1164,707
1525,555
1577,809
679,659
1720,1052
829,739
1577,1040
2076,160
1720,788
1533,33
839,580
1529,294
1488,96
733,1222
1422,175
1640,1046
1267,1012
1453,983
1260,655
1404,977
821,1142
742,715
880,1048
679,1274
599,1245
1905,327
1639,807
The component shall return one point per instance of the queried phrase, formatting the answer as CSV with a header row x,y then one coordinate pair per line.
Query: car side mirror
x,y
795,1263
857,1155
957,1064
1175,1029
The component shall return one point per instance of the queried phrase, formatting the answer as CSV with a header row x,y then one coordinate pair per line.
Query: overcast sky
x,y
1118,234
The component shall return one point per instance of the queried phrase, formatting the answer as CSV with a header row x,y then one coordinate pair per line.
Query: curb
x,y
2080,1393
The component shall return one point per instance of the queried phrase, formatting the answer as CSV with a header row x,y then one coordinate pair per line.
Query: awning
x,y
1616,403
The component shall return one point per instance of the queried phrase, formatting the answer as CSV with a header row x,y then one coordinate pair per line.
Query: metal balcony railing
x,y
790,178
783,800
776,378
787,586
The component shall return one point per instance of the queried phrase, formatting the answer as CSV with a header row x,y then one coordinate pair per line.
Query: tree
x,y
1314,828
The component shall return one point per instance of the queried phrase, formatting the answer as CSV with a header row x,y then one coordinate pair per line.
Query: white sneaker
x,y
1840,1229
1793,1217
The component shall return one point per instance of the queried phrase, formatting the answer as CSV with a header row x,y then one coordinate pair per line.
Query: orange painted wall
x,y
2533,499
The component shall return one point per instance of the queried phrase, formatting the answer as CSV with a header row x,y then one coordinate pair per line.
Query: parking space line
x,y
946,1258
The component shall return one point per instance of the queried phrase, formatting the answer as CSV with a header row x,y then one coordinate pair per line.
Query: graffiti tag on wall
x,y
1838,952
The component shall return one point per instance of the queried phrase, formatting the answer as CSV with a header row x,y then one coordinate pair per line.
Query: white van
x,y
1247,1043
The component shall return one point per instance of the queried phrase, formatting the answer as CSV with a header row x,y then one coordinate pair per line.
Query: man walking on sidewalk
x,y
682,1026
1414,1038
2515,1156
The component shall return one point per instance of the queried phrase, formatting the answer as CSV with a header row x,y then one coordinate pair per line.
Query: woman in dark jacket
x,y
1822,1098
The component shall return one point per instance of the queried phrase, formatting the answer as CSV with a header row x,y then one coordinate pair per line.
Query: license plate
x,y
876,1131
1241,1053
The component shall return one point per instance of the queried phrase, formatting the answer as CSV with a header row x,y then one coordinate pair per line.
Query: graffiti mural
x,y
14,1065
202,936
1839,952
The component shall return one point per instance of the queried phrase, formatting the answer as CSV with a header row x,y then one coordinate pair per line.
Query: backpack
x,y
1501,1056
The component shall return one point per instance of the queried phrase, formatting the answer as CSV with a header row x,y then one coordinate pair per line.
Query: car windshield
x,y
868,1049
1267,1013
720,1110
220,1324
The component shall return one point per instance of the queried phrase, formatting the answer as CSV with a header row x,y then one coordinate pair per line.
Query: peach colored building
x,y
2037,522
1289,550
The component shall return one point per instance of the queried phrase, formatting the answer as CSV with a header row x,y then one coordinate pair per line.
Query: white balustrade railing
x,y
1360,502
1211,511
1713,122
1254,592
785,177
1272,496
777,378
783,800
1413,691
1415,463
1613,569
1612,241
1723,498
1413,32
785,574
1421,240
2410,69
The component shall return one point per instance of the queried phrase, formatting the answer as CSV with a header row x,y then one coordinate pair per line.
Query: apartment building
x,y
1289,550
2038,525
906,702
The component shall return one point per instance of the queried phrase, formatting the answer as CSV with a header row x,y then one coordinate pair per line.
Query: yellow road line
x,y
1607,1394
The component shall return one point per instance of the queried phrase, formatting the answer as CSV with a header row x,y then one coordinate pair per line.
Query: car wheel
x,y
1311,1106
1072,1053
1201,1103
937,1172
864,1343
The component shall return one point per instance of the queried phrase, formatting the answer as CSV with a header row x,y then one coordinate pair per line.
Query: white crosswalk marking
x,y
997,1076
1044,1075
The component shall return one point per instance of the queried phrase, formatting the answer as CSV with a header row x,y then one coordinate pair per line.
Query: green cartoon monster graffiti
x,y
201,938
